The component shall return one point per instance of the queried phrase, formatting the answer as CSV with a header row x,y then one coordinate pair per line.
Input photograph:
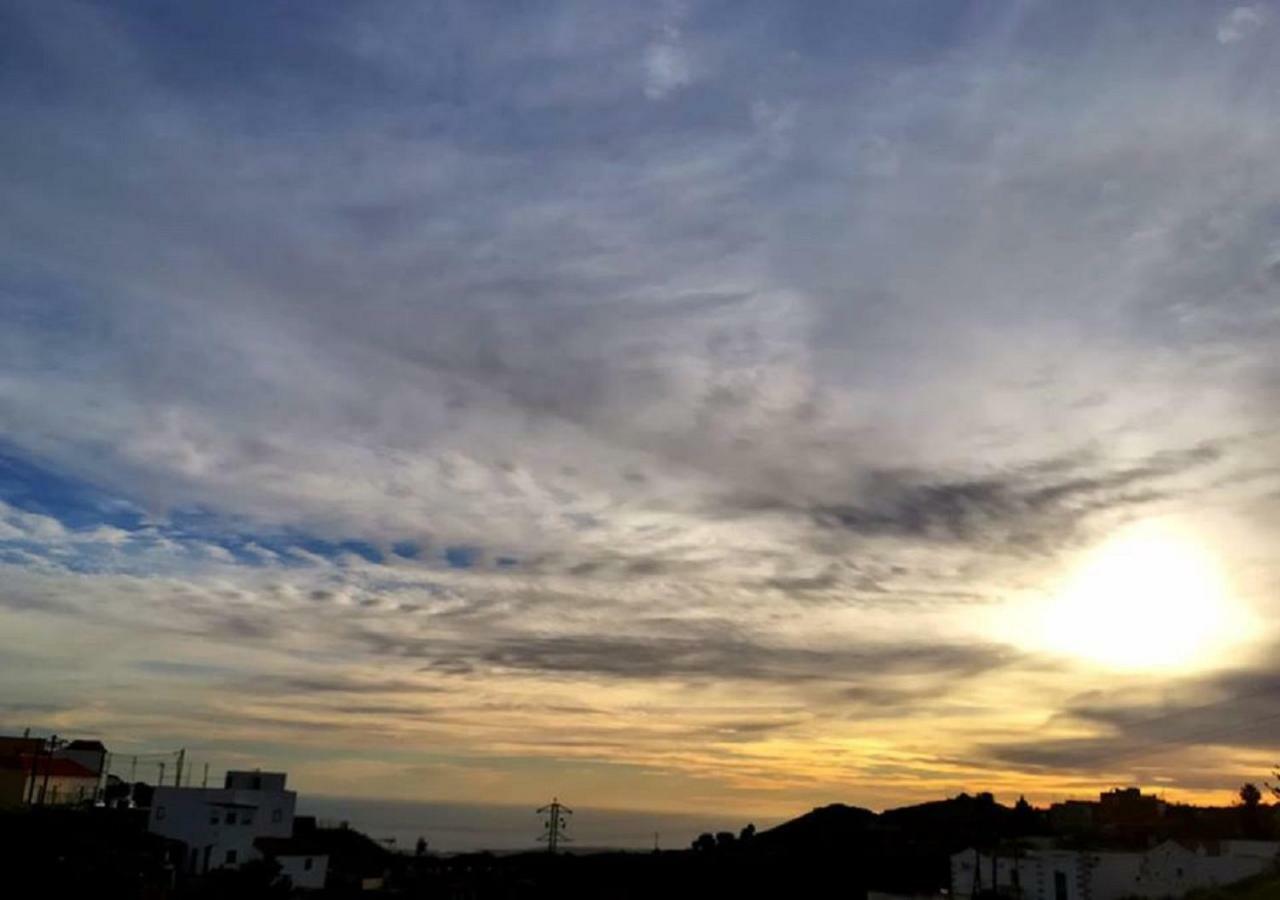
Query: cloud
x,y
712,656
666,65
1148,726
1239,24
1039,506
779,388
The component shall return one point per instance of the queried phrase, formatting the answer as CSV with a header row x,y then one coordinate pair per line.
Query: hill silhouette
x,y
903,849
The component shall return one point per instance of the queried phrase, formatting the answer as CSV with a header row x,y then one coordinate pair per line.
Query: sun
x,y
1150,597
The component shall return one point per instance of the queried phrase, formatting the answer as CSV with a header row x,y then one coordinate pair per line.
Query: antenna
x,y
554,824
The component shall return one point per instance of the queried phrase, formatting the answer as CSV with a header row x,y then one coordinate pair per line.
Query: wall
x,y
1169,870
255,781
60,790
302,877
93,760
199,817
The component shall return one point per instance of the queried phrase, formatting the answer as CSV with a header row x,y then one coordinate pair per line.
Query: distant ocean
x,y
460,827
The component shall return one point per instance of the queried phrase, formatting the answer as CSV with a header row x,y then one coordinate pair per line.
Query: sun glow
x,y
1150,597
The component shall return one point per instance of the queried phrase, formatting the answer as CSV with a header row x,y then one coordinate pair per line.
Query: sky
x,y
674,406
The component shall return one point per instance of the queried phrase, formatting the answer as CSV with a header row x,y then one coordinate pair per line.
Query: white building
x,y
303,863
1167,870
220,825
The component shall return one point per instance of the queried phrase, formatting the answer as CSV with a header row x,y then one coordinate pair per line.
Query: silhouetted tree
x,y
1274,788
420,848
747,833
724,839
705,842
1250,821
1024,819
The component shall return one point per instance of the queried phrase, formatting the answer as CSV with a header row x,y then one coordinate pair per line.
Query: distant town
x,y
76,825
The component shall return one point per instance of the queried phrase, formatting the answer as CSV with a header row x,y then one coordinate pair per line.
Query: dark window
x,y
257,783
1060,886
213,817
231,857
247,818
306,864
231,817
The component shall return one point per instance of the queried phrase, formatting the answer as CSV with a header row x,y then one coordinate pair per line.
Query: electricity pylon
x,y
555,823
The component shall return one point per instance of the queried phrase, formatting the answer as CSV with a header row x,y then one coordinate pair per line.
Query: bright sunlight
x,y
1152,596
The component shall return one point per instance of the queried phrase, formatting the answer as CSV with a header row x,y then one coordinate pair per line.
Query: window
x,y
159,813
256,784
231,857
231,817
246,817
277,815
306,864
213,817
1060,886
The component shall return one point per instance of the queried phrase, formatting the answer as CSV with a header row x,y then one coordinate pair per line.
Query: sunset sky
x,y
678,405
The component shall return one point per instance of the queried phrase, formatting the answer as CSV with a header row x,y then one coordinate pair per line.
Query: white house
x,y
220,825
1167,870
303,863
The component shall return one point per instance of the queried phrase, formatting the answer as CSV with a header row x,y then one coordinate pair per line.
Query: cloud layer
x,y
693,386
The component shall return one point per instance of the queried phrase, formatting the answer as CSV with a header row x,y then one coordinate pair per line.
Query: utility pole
x,y
100,789
554,823
48,765
35,773
205,782
133,769
160,780
182,755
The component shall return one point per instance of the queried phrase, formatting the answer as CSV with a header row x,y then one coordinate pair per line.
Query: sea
x,y
463,827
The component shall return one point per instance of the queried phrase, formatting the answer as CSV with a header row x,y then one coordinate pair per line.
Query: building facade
x,y
1170,869
42,780
304,862
90,754
48,771
305,871
221,825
